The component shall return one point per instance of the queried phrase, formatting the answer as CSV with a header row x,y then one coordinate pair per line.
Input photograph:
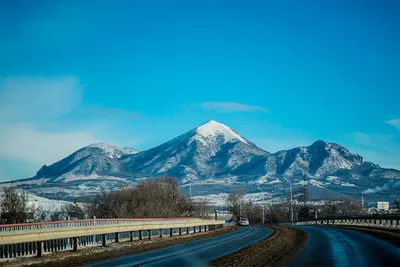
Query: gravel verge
x,y
96,254
275,250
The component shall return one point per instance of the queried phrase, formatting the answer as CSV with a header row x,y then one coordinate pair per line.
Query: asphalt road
x,y
329,246
195,253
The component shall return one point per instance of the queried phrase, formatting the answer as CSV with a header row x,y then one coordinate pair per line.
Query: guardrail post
x,y
116,237
94,223
12,250
161,233
187,230
103,240
131,236
194,229
39,249
149,234
75,244
170,232
180,231
200,229
140,235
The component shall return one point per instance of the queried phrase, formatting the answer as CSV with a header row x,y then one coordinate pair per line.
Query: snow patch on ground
x,y
316,183
261,180
73,177
347,184
276,181
29,182
332,178
46,204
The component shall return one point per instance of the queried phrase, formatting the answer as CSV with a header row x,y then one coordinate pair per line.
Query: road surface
x,y
329,246
195,253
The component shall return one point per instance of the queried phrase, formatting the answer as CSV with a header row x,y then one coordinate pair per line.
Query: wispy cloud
x,y
26,99
34,146
42,120
395,123
31,128
232,107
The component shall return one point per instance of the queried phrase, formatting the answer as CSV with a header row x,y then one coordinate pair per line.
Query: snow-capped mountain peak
x,y
213,128
104,146
113,151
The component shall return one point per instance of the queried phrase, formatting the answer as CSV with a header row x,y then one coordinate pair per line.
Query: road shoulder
x,y
390,235
275,250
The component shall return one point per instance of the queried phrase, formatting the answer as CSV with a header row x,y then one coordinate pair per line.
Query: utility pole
x,y
304,191
291,199
263,214
362,201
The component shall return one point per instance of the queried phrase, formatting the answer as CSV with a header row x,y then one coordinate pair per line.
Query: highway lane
x,y
195,253
329,246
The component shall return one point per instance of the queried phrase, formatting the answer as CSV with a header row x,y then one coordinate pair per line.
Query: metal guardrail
x,y
31,239
370,221
79,223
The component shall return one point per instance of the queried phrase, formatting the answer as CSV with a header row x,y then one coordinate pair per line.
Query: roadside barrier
x,y
36,239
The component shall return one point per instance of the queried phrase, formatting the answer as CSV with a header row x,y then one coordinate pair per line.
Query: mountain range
x,y
215,158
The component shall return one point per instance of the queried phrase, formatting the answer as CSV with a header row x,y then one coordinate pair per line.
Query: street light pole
x,y
263,214
291,198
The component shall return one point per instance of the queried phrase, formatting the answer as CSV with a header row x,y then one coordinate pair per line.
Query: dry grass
x,y
275,250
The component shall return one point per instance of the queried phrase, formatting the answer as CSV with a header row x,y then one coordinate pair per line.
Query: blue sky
x,y
138,73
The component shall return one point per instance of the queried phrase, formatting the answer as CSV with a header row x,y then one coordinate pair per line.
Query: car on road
x,y
243,222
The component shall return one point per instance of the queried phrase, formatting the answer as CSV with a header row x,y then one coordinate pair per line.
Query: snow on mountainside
x,y
113,151
215,158
321,158
206,151
94,161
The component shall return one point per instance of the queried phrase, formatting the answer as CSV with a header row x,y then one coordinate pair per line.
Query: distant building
x,y
382,205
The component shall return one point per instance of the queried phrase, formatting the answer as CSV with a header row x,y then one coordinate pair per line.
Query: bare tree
x,y
234,204
14,207
278,212
73,211
150,199
202,208
340,207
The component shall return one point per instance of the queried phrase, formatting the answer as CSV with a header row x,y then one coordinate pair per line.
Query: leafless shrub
x,y
14,207
159,198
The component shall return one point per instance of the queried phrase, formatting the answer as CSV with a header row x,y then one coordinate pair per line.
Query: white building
x,y
382,205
